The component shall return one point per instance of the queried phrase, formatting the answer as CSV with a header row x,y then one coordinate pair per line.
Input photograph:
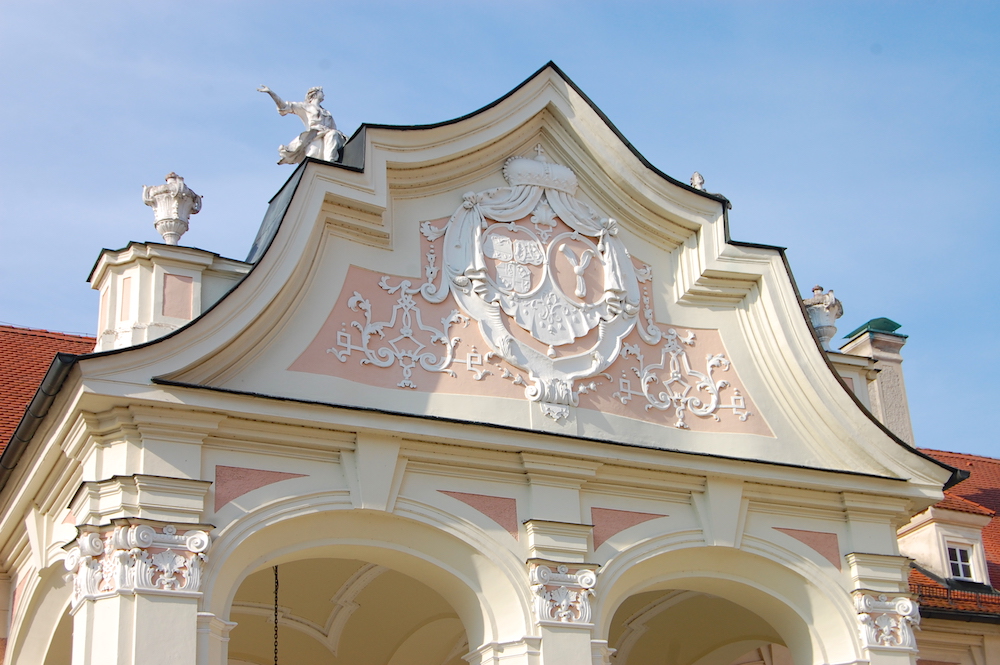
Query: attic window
x,y
960,561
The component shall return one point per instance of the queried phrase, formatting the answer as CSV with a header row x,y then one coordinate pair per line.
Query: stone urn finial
x,y
697,181
824,309
172,204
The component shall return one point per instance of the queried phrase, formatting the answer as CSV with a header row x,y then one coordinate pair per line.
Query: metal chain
x,y
275,615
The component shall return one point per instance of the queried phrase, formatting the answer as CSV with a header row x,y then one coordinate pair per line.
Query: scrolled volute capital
x,y
562,595
136,558
887,621
90,544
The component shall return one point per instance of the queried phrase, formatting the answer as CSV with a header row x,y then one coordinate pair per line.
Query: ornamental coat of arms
x,y
570,286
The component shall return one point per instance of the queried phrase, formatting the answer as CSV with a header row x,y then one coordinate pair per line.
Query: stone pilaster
x,y
136,586
561,582
213,639
887,615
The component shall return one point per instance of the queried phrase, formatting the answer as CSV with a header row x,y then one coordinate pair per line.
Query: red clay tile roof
x,y
954,502
983,488
25,356
933,595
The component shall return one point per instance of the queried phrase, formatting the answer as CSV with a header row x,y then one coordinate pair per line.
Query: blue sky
x,y
862,136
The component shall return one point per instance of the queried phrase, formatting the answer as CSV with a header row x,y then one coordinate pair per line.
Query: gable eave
x,y
548,68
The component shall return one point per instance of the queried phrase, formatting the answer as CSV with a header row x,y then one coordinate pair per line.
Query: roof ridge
x,y
951,496
42,332
932,451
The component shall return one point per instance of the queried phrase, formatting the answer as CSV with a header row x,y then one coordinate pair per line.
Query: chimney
x,y
150,289
879,340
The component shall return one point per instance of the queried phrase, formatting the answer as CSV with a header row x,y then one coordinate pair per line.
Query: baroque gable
x,y
524,267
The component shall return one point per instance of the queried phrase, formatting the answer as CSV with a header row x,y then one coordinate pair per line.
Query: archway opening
x,y
685,627
344,611
61,648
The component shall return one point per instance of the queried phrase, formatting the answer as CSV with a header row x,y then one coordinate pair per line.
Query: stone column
x,y
136,588
562,612
561,581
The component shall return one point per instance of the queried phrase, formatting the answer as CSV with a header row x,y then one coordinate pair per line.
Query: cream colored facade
x,y
474,483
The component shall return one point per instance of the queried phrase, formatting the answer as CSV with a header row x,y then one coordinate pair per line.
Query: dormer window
x,y
946,540
960,561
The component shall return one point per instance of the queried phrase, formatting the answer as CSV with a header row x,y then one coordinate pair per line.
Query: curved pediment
x,y
524,267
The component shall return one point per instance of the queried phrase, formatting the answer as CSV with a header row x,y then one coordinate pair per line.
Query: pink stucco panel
x,y
232,482
18,592
178,295
607,522
369,298
826,544
500,509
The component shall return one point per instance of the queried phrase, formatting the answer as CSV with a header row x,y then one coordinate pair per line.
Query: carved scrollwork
x,y
406,349
887,622
137,558
561,595
675,376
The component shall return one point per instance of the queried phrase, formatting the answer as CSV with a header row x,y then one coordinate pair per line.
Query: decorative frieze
x,y
136,558
562,595
887,621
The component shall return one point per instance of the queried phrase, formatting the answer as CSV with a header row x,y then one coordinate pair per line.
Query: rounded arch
x,y
41,607
816,621
483,583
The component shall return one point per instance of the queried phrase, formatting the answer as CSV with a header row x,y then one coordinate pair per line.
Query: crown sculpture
x,y
172,204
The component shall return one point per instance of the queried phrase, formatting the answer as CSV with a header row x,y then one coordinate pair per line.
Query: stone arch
x,y
484,584
814,617
42,606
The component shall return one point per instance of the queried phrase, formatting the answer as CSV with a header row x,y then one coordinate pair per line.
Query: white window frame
x,y
959,546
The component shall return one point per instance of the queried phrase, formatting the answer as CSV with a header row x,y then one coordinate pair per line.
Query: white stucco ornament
x,y
556,298
509,263
887,621
173,204
321,138
136,559
562,595
697,181
824,309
